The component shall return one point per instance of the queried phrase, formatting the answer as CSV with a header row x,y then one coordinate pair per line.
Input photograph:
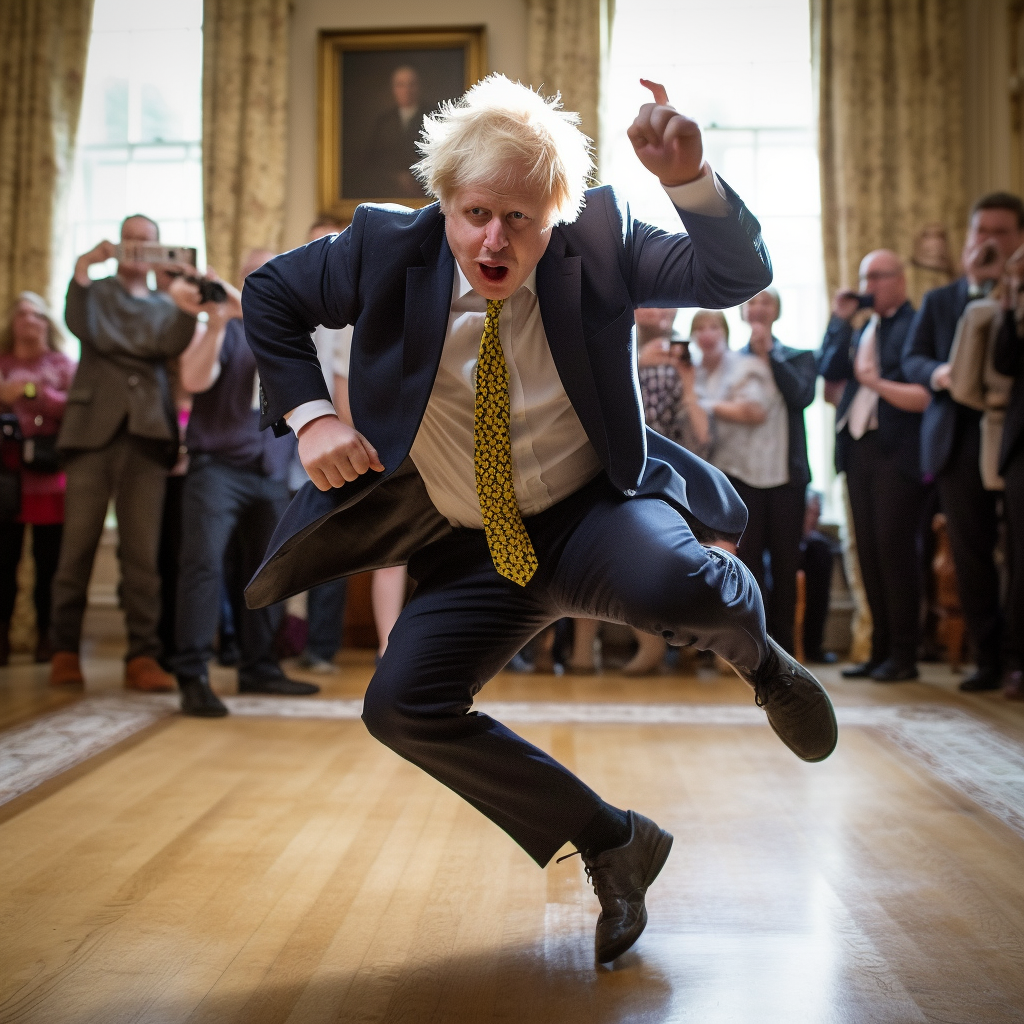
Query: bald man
x,y
878,430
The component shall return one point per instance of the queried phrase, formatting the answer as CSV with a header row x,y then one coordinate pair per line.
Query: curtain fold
x,y
890,130
42,67
245,95
567,45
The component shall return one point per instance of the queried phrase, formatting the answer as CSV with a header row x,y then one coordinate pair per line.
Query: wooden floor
x,y
264,869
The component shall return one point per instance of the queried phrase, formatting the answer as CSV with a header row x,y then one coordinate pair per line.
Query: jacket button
x,y
631,493
132,381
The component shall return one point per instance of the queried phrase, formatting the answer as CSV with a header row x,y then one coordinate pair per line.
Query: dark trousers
x,y
167,563
886,508
973,521
816,560
601,556
1013,503
45,552
221,501
324,607
774,527
127,471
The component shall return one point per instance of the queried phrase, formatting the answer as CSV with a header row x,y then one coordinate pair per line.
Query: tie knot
x,y
494,308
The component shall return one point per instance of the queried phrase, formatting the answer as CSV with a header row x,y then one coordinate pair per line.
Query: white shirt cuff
x,y
307,412
703,195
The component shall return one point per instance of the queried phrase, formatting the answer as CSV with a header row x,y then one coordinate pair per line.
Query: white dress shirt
x,y
551,454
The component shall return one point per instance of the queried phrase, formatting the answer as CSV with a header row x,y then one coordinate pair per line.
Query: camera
x,y
209,291
865,301
154,252
680,349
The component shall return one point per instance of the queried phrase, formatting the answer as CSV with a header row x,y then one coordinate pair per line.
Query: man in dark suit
x,y
1009,359
500,448
392,149
951,432
878,424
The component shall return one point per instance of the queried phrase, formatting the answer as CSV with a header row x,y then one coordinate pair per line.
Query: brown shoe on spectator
x,y
143,673
65,669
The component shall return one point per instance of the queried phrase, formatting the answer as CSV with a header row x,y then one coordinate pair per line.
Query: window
x,y
742,70
139,137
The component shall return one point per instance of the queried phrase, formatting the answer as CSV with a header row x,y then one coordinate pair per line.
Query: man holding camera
x,y
951,432
237,486
878,424
119,437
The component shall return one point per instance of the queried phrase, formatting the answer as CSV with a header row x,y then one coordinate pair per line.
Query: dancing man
x,y
499,448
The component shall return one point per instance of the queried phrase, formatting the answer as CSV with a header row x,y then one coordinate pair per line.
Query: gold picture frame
x,y
365,132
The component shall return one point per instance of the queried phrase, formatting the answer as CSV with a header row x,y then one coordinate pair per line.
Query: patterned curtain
x,y
891,123
43,47
245,95
567,49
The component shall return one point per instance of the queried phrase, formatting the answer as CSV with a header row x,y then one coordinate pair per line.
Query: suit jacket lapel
x,y
428,301
559,293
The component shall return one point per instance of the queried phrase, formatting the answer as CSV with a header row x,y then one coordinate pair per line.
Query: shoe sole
x,y
661,852
828,704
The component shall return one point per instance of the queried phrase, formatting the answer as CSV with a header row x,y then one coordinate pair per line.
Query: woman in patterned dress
x,y
34,380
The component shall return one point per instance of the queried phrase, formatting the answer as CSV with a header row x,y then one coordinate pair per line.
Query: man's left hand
x,y
666,142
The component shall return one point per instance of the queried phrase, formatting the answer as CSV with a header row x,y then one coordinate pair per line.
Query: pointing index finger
x,y
658,91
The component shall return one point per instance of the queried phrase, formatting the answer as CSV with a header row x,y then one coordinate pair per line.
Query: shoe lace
x,y
586,867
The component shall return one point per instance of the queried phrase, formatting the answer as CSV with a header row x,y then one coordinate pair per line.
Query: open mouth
x,y
493,273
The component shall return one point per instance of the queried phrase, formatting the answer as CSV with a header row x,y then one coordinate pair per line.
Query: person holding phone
x,y
878,429
119,438
951,432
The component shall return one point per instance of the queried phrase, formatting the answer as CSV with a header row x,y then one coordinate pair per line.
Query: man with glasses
x,y
878,426
951,432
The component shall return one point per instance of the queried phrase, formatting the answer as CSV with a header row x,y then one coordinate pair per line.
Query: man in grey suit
x,y
119,437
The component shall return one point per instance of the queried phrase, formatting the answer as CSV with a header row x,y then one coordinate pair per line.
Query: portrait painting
x,y
375,90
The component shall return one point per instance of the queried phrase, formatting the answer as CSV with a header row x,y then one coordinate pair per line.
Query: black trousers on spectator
x,y
45,552
973,519
886,508
775,525
1013,504
602,556
221,501
816,560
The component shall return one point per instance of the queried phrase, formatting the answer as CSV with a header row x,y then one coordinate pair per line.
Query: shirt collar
x,y
463,287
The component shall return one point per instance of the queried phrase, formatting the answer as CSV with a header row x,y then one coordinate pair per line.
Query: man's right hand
x,y
845,304
334,453
100,254
942,377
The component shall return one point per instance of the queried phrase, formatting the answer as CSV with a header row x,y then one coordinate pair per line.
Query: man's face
x,y
655,322
137,229
761,309
498,235
999,226
882,276
405,87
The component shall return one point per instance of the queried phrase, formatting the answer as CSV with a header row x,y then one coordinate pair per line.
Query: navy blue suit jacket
x,y
898,430
928,344
390,274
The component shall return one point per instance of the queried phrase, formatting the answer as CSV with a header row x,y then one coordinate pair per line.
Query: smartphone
x,y
865,301
154,252
681,350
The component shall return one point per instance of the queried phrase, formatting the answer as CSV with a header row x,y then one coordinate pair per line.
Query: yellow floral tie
x,y
511,549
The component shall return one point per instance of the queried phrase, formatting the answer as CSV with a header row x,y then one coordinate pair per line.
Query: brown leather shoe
x,y
620,878
143,673
65,669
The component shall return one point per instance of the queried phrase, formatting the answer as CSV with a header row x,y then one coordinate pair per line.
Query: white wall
x,y
506,52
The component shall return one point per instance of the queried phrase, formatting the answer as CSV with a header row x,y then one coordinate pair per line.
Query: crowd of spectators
x,y
161,417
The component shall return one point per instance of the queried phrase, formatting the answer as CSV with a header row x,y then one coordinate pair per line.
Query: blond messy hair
x,y
497,128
